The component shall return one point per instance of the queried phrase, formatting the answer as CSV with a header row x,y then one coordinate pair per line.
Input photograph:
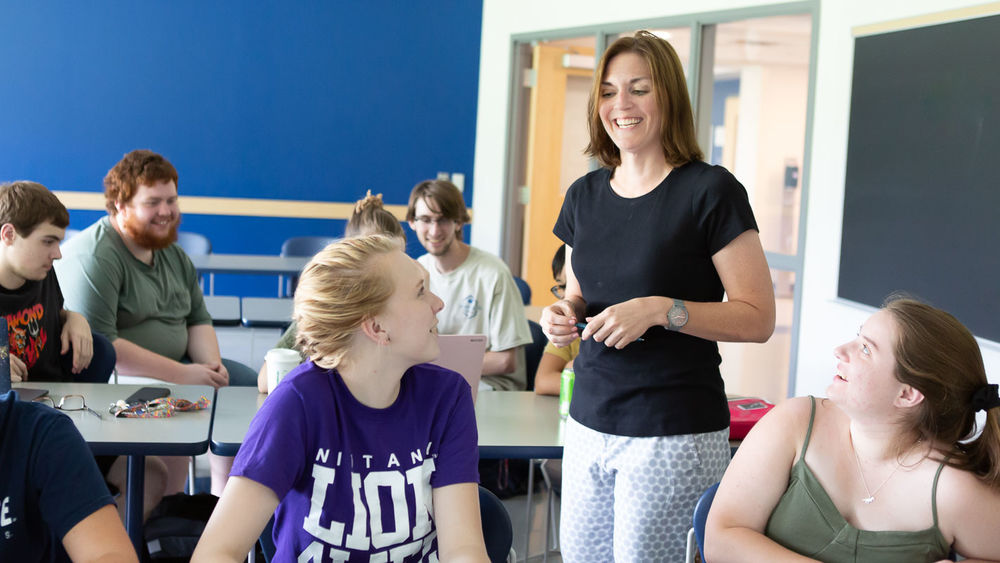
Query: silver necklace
x,y
871,494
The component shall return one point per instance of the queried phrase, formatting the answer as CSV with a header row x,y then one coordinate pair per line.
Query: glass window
x,y
758,113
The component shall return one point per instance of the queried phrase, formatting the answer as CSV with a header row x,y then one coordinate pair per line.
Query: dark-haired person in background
x,y
555,359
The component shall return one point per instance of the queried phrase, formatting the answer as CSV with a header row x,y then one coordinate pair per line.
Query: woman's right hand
x,y
559,323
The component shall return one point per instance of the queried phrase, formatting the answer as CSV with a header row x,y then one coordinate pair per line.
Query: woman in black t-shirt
x,y
653,241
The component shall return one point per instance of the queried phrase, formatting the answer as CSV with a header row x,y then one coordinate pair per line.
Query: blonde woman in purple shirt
x,y
365,452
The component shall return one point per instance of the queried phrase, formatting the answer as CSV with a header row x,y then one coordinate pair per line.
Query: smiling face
x,y
151,218
30,257
436,233
628,107
866,367
410,316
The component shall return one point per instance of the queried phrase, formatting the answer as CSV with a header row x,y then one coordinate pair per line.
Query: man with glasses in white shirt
x,y
477,288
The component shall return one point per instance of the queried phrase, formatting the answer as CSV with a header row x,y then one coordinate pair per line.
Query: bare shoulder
x,y
780,430
969,513
792,413
958,490
786,426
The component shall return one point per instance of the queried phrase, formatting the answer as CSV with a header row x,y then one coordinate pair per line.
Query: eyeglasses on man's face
x,y
559,290
70,403
442,222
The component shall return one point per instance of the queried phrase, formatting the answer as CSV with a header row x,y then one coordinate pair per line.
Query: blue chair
x,y
524,288
194,244
102,363
701,516
266,539
299,246
533,353
497,528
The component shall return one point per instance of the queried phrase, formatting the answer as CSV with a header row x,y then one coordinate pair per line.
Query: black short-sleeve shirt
x,y
660,243
34,326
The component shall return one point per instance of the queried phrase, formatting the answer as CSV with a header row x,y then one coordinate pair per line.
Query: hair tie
x,y
986,397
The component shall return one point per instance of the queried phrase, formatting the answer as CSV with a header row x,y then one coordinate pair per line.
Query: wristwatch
x,y
677,316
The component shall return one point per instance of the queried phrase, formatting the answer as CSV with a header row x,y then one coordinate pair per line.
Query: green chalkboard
x,y
922,193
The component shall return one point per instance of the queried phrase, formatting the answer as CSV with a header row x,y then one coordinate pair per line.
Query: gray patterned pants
x,y
631,499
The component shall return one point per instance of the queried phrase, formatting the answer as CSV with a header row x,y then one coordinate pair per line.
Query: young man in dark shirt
x,y
47,342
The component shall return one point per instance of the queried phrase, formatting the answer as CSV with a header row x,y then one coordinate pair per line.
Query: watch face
x,y
678,315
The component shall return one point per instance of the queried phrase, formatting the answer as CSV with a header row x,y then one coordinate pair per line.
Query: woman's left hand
x,y
621,324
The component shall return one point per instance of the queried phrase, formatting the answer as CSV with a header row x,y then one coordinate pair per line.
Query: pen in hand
x,y
582,326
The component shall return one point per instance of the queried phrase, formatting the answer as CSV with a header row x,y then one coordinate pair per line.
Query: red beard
x,y
141,235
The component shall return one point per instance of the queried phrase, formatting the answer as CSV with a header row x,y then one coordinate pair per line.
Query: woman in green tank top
x,y
881,470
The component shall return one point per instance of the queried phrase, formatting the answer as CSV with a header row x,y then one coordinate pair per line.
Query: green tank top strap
x,y
934,491
809,429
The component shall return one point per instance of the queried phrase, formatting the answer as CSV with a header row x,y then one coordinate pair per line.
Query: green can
x,y
566,391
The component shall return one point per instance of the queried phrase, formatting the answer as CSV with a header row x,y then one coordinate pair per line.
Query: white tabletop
x,y
515,424
519,424
263,264
185,433
267,311
235,407
224,309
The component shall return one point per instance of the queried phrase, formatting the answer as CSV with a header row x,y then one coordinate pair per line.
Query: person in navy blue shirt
x,y
54,505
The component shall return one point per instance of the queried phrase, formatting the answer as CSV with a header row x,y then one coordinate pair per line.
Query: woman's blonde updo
x,y
343,285
370,216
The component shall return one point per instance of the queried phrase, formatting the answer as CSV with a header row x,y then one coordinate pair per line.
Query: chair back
x,y
525,290
304,246
194,244
497,528
300,246
102,362
701,516
533,352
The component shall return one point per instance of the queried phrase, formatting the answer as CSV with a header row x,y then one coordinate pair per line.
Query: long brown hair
x,y
938,356
677,134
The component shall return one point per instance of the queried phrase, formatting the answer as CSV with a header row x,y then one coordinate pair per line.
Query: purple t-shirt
x,y
353,480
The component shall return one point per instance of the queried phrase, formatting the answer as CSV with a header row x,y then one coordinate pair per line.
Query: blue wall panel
x,y
303,100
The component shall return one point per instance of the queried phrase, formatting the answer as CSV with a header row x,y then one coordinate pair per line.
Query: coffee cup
x,y
280,361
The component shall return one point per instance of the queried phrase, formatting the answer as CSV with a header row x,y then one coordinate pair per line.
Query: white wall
x,y
825,322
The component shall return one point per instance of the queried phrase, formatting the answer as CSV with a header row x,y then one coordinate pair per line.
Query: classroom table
x,y
519,424
267,312
184,434
512,424
224,309
248,264
235,407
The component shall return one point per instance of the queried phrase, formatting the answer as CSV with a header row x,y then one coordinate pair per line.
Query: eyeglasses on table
x,y
69,403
